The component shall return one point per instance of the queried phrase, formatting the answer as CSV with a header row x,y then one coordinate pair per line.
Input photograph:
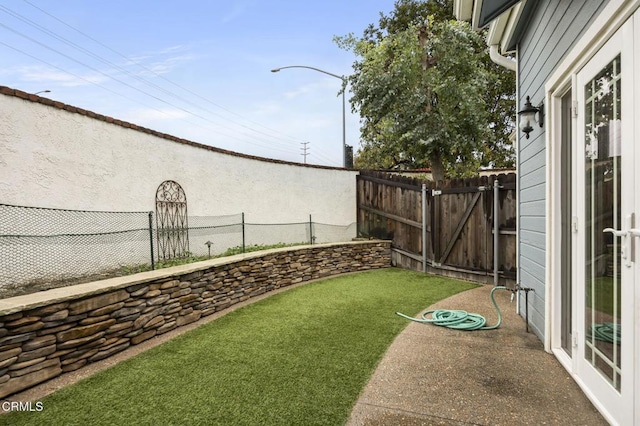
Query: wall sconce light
x,y
528,116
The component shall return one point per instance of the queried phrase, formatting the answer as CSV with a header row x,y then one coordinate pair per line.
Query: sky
x,y
196,69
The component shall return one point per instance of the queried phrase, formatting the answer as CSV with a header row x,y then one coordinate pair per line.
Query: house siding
x,y
554,28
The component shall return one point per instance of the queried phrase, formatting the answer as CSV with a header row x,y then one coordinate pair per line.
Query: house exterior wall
x,y
554,28
55,155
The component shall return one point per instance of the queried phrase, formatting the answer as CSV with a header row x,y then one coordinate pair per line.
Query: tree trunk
x,y
437,168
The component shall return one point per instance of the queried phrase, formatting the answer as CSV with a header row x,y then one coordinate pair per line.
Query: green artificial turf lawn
x,y
300,357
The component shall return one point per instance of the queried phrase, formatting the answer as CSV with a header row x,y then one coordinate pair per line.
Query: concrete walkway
x,y
436,376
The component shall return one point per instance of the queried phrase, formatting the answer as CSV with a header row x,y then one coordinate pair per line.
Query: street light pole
x,y
344,127
344,87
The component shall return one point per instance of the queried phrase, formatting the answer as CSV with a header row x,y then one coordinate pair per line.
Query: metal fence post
x,y
496,228
153,263
243,235
310,230
424,227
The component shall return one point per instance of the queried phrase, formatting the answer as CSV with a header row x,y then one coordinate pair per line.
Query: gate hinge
x,y
574,109
436,192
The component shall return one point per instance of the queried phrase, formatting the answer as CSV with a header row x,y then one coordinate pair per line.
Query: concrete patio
x,y
437,376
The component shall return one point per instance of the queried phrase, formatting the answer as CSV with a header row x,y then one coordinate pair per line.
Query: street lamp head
x,y
275,70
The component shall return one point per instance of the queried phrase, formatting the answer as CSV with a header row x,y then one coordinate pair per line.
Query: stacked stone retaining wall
x,y
46,334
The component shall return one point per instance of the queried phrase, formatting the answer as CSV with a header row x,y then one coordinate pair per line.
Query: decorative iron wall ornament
x,y
171,221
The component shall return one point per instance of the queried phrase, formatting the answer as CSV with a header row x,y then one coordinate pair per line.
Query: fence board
x,y
459,222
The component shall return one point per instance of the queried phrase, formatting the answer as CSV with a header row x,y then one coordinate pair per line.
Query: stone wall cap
x,y
63,294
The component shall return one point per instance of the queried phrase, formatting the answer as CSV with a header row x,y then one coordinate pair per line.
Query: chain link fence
x,y
43,248
221,232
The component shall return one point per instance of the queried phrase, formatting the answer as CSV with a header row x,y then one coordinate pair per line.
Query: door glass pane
x,y
602,166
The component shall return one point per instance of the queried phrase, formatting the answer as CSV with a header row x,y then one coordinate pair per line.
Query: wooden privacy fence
x,y
446,228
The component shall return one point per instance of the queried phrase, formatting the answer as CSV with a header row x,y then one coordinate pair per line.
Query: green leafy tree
x,y
428,95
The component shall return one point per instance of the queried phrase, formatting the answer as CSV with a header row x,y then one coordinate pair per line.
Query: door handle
x,y
619,233
634,232
625,247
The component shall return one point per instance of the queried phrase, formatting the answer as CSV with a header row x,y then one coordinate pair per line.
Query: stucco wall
x,y
55,155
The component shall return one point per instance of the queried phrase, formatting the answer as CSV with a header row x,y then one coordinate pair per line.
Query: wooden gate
x,y
458,227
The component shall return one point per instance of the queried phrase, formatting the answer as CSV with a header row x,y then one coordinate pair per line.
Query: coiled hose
x,y
457,319
607,332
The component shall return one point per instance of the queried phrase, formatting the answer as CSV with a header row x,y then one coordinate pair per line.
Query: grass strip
x,y
300,357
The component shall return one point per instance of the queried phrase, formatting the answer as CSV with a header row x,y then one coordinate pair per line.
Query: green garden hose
x,y
607,332
457,319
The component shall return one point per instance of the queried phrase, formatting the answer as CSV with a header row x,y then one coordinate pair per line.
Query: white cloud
x,y
166,65
148,115
238,8
323,87
50,75
300,91
161,61
266,109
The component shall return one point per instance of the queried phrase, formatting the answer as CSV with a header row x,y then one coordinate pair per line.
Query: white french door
x,y
605,252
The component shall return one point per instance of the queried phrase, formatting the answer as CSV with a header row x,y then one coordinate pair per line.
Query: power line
x,y
284,147
128,85
150,71
107,62
132,99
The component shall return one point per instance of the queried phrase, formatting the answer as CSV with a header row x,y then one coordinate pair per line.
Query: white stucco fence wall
x,y
58,156
50,157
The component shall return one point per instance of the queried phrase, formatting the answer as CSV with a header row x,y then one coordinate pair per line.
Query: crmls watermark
x,y
21,406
